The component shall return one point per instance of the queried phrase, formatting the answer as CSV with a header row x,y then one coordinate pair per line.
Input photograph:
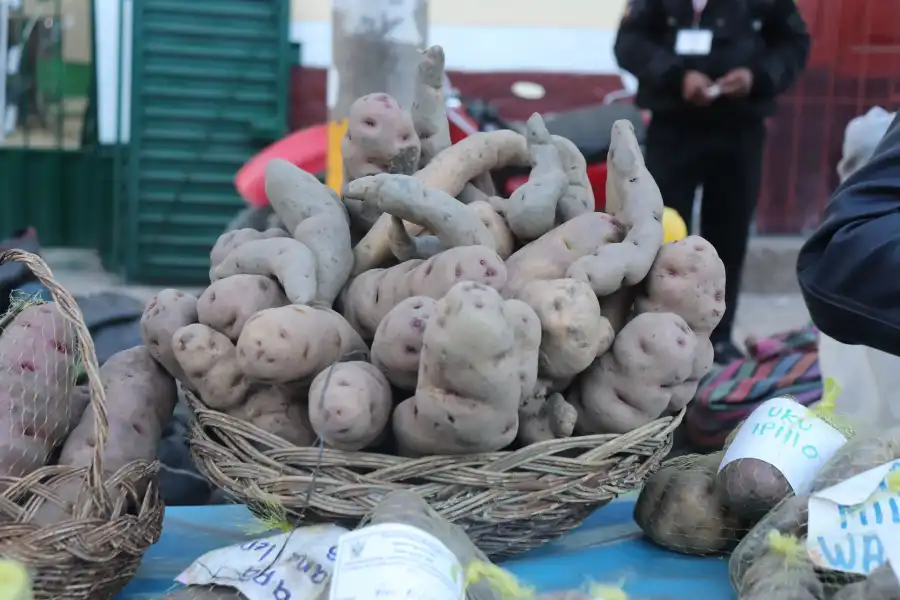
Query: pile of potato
x,y
420,312
48,418
691,507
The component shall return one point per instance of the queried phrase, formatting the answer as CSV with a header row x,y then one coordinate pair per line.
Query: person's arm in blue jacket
x,y
849,270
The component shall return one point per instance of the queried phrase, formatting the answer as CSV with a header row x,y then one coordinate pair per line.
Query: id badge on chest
x,y
693,42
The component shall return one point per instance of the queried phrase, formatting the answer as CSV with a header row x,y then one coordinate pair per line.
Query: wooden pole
x,y
375,48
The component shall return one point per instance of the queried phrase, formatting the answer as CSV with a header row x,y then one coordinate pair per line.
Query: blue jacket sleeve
x,y
849,270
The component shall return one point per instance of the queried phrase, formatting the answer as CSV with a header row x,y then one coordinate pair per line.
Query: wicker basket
x,y
508,502
97,553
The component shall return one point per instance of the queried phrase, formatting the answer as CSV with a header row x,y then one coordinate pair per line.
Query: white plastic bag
x,y
869,379
860,139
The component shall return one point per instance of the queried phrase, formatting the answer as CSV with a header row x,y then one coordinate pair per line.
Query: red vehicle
x,y
588,127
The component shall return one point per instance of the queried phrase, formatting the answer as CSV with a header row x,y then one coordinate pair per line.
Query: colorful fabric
x,y
785,364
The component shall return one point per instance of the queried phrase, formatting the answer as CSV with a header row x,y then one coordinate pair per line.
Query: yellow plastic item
x,y
15,582
787,545
505,585
674,227
827,408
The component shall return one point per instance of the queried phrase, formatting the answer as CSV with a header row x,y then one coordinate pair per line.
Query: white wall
x,y
571,36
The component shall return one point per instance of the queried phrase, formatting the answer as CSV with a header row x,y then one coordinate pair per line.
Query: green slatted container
x,y
209,87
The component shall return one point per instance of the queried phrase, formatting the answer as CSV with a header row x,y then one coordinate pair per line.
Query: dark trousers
x,y
726,159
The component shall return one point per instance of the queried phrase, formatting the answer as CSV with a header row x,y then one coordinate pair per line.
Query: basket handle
x,y
72,313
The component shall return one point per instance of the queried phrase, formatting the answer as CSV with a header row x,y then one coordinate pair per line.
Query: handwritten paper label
x,y
854,526
788,436
290,566
391,561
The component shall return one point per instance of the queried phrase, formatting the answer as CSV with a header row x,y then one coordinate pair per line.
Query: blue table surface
x,y
607,548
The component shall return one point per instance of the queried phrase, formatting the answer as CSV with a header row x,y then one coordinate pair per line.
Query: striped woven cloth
x,y
785,364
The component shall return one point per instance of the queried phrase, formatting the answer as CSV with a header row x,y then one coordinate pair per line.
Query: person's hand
x,y
694,86
736,83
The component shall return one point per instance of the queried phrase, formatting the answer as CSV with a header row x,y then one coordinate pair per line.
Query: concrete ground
x,y
771,304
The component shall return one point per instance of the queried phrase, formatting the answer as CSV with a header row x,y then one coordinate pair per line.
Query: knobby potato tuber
x,y
504,240
543,418
881,584
381,138
448,172
479,359
166,313
230,240
688,279
140,397
408,198
370,296
573,332
350,405
227,303
316,218
613,266
429,110
782,574
210,361
632,384
789,518
37,377
295,343
549,256
531,210
405,247
579,195
285,259
398,341
679,507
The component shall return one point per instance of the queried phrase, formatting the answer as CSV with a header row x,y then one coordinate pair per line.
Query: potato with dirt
x,y
633,384
532,207
613,266
227,303
680,508
448,172
789,518
751,487
858,455
350,405
479,359
316,218
164,314
408,198
688,279
881,584
549,256
381,138
397,344
372,295
38,360
573,332
504,240
230,240
285,259
783,571
209,359
429,109
140,399
295,343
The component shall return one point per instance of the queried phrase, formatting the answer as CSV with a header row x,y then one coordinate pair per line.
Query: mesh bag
x,y
843,528
78,537
705,504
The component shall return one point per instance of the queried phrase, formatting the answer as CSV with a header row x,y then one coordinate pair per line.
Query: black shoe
x,y
726,352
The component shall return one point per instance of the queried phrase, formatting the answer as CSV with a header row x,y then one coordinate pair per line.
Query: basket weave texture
x,y
508,502
93,555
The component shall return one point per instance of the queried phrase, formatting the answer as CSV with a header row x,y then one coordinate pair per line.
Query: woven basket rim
x,y
281,472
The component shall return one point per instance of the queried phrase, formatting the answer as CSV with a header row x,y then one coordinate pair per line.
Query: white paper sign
x,y
693,42
788,436
854,526
290,566
391,561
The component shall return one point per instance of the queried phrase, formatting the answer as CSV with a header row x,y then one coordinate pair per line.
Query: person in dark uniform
x,y
710,72
849,269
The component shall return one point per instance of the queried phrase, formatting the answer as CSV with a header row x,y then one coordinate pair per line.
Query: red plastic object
x,y
306,148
